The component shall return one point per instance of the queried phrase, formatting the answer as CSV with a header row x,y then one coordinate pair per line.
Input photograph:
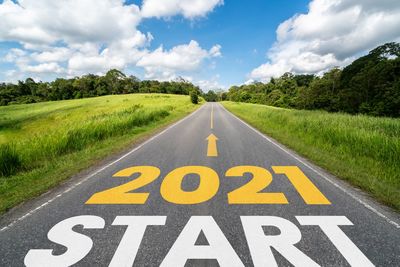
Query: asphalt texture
x,y
375,230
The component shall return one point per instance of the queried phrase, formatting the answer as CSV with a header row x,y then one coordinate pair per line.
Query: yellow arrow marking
x,y
212,150
212,116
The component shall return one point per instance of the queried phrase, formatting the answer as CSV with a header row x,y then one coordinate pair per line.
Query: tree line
x,y
112,83
370,85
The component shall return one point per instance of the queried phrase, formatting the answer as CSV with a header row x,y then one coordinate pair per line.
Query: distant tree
x,y
211,96
304,79
31,86
61,89
132,84
370,85
113,82
223,96
194,97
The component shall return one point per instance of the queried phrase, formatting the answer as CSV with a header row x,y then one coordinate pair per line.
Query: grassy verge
x,y
360,149
43,144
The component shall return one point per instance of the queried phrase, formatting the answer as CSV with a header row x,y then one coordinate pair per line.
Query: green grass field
x,y
360,149
43,144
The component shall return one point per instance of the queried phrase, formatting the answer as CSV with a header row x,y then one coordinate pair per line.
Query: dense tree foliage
x,y
194,97
210,96
114,82
370,85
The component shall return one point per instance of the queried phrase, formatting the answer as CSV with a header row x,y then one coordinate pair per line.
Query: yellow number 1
x,y
308,191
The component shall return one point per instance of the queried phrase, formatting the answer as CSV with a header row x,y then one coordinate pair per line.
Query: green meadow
x,y
360,149
45,143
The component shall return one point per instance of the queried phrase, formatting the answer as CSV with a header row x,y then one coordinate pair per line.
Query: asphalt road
x,y
191,220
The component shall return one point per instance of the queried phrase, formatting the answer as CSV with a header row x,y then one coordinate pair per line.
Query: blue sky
x,y
245,33
213,43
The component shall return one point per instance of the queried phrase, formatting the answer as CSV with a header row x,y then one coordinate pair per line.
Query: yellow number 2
x,y
121,194
250,192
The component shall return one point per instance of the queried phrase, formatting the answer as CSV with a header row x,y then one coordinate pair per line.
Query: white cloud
x,y
163,64
332,33
188,8
211,84
87,36
56,54
44,68
248,82
75,37
14,54
73,21
215,51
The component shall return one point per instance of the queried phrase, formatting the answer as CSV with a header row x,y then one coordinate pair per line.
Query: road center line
x,y
366,205
212,116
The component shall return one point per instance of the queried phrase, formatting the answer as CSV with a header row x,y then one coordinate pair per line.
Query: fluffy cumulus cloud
x,y
163,64
331,34
71,37
188,8
75,37
210,84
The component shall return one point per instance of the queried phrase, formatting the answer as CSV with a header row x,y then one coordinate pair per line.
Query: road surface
x,y
207,191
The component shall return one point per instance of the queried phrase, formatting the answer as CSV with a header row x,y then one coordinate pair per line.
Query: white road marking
x,y
374,210
99,170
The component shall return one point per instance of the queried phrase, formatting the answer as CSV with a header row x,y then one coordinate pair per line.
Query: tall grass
x,y
45,143
10,161
363,150
31,153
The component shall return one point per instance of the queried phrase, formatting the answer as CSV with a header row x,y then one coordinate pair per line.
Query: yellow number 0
x,y
120,195
171,187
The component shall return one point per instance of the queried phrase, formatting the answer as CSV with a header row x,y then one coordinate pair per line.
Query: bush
x,y
194,98
10,161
